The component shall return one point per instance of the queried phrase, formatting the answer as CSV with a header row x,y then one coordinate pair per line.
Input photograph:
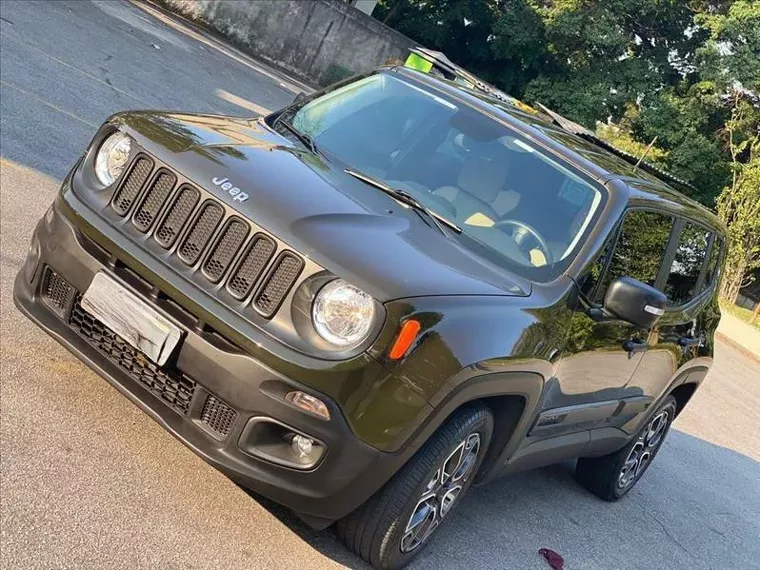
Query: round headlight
x,y
112,158
342,314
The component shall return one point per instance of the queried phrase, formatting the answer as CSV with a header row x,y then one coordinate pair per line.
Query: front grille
x,y
194,228
151,204
218,416
277,285
167,384
225,249
251,266
177,215
131,186
56,291
203,227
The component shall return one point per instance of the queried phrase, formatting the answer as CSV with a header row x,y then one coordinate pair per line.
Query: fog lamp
x,y
302,446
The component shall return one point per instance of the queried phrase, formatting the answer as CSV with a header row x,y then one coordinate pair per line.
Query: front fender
x,y
472,348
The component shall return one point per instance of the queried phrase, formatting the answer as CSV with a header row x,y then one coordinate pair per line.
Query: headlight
x,y
112,158
342,314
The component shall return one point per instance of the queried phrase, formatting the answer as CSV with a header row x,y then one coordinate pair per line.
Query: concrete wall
x,y
318,41
366,6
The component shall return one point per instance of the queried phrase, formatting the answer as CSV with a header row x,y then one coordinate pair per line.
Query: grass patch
x,y
740,313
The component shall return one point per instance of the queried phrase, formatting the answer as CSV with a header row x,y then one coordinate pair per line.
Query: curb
x,y
741,348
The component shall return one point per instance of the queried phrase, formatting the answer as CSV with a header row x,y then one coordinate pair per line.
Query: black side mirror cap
x,y
635,302
300,96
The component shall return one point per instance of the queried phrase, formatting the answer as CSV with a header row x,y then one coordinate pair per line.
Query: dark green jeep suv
x,y
390,290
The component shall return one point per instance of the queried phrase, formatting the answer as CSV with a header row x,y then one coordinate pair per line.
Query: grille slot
x,y
151,203
251,266
277,284
203,227
133,182
167,384
177,215
225,249
218,416
56,291
193,226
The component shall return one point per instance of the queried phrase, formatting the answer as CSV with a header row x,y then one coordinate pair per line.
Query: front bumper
x,y
206,366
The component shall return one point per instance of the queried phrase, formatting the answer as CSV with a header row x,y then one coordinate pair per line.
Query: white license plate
x,y
131,318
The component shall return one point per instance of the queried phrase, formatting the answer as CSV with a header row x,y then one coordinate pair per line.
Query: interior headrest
x,y
483,177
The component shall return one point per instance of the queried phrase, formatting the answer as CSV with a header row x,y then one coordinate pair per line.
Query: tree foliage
x,y
739,203
661,68
686,72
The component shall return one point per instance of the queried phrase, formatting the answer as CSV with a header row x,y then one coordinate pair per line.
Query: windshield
x,y
516,205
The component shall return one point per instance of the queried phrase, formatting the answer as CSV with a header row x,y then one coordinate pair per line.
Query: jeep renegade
x,y
362,304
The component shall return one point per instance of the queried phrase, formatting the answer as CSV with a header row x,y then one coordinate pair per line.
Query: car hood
x,y
351,229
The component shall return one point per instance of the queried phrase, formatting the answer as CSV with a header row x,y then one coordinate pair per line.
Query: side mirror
x,y
635,302
299,97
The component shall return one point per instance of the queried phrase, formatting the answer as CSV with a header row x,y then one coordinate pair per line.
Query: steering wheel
x,y
521,230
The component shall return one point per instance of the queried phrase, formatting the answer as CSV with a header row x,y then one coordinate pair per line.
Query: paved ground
x,y
88,481
741,333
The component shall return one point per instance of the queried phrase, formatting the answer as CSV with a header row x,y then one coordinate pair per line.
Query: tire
x,y
379,530
611,476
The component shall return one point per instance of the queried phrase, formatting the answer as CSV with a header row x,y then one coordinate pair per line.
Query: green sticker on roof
x,y
419,63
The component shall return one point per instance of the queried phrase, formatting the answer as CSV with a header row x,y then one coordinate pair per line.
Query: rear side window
x,y
640,249
713,263
689,259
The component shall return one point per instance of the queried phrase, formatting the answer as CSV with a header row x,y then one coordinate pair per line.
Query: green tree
x,y
729,67
608,53
460,28
731,56
644,68
739,203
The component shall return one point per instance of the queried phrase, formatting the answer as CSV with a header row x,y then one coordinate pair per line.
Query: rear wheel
x,y
395,524
610,477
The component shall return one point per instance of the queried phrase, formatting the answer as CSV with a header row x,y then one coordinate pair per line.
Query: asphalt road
x,y
88,481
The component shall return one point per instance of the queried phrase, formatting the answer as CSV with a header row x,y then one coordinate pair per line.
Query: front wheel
x,y
610,477
395,524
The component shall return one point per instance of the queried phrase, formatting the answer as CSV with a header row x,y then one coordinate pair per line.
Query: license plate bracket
x,y
131,318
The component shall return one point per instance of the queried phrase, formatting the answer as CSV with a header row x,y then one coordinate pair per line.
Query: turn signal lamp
x,y
405,338
308,404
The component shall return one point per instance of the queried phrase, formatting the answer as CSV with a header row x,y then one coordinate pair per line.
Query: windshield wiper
x,y
406,198
303,137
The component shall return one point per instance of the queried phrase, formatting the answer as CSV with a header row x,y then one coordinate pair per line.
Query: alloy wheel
x,y
643,449
441,492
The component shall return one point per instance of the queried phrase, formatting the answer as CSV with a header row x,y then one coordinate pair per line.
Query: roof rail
x,y
636,161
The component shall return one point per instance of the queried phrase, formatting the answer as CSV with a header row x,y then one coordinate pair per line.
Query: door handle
x,y
635,346
687,341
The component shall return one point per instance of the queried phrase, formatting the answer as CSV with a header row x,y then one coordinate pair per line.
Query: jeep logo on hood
x,y
234,191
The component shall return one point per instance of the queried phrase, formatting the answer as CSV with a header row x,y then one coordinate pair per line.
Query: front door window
x,y
640,249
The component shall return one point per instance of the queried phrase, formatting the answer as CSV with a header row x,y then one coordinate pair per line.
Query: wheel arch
x,y
683,393
686,381
512,397
507,410
682,387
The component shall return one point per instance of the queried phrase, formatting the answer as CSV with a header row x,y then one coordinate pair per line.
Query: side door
x,y
599,359
685,332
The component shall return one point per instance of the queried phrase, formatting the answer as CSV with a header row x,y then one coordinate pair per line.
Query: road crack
x,y
667,532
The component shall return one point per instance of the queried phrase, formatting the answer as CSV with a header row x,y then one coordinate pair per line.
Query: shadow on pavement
x,y
695,508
